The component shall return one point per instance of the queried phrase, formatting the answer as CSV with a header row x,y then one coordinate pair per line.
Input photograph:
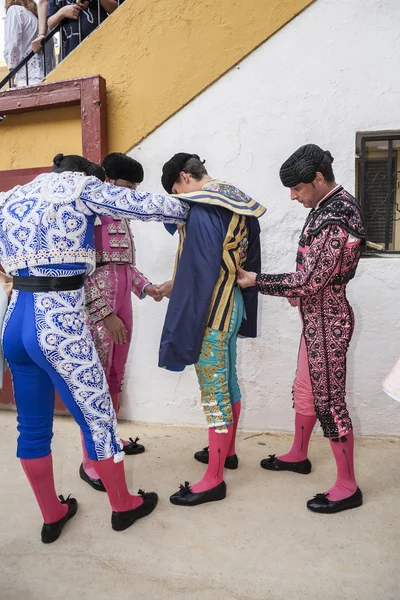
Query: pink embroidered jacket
x,y
114,244
329,251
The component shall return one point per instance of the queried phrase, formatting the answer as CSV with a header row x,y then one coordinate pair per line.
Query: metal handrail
x,y
24,62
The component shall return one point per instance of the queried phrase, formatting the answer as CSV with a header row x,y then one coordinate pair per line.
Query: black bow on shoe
x,y
64,500
322,498
271,458
184,490
135,441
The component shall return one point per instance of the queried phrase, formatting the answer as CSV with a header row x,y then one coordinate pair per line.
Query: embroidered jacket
x,y
329,251
219,237
323,258
51,219
114,244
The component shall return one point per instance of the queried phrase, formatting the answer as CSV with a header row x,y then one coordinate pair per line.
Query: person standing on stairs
x,y
328,255
47,245
108,297
207,311
69,13
20,28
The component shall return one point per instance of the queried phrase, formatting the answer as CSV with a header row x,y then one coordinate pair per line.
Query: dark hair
x,y
96,170
77,164
194,167
325,167
120,166
182,161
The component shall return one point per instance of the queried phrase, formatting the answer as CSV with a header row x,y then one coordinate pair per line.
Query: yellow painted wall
x,y
33,139
156,56
3,70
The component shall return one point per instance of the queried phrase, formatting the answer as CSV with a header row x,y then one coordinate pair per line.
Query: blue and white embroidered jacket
x,y
50,221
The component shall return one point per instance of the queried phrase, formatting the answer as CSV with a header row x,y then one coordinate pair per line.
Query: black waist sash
x,y
48,284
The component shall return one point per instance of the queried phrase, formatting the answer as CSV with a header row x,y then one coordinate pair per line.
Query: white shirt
x,y
20,29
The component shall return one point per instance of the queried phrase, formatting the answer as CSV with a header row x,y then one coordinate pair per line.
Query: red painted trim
x,y
9,179
90,93
94,119
41,97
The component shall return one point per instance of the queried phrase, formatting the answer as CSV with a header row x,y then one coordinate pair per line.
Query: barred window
x,y
378,189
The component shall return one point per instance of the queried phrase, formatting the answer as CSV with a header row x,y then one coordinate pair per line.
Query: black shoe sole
x,y
301,469
132,452
96,484
334,511
47,536
341,505
124,520
213,495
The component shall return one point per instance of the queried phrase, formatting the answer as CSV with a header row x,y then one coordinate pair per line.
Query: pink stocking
x,y
304,426
236,407
218,445
345,485
115,396
113,477
39,472
88,465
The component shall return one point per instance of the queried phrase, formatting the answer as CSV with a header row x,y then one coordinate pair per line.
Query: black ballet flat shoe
x,y
231,462
272,463
52,531
321,503
133,447
122,520
185,497
96,484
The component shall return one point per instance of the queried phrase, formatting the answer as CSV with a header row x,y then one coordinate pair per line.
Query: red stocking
x,y
39,472
345,485
113,477
236,407
88,465
218,451
303,429
115,397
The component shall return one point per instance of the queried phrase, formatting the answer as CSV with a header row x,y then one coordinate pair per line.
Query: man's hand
x,y
71,11
165,289
246,279
115,329
153,291
295,302
37,43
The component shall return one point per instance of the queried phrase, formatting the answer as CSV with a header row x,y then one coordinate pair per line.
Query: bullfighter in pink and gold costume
x,y
108,296
329,250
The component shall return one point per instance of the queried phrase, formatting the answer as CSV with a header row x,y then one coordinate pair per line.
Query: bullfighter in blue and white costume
x,y
47,244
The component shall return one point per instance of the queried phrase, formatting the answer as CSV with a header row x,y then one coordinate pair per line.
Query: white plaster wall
x,y
331,72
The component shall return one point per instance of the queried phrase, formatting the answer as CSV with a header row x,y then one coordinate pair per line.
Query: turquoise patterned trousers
x,y
216,370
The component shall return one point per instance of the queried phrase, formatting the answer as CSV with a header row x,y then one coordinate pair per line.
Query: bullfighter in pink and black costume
x,y
329,251
108,294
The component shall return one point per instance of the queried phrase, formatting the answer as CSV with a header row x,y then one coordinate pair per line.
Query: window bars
x,y
379,190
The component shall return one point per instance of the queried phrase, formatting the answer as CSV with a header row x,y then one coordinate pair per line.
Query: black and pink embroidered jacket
x,y
329,251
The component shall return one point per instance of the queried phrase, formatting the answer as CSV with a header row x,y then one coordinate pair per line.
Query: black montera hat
x,y
172,168
76,163
120,166
302,166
